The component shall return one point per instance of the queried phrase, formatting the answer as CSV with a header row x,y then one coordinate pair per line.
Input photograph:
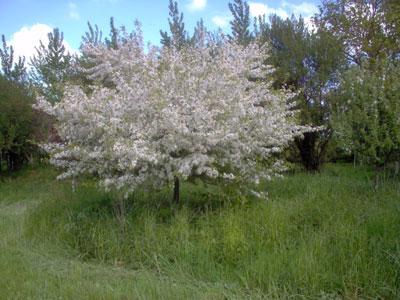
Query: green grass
x,y
328,235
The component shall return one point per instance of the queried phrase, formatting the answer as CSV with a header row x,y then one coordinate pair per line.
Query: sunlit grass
x,y
318,235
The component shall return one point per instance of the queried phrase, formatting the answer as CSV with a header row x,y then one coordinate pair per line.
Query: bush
x,y
16,116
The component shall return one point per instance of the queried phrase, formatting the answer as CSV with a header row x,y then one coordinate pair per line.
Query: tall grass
x,y
324,235
41,269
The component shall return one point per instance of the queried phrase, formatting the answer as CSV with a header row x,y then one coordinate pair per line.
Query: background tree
x,y
51,67
289,41
240,25
13,71
367,114
93,35
367,102
367,29
307,63
178,36
392,24
200,34
113,41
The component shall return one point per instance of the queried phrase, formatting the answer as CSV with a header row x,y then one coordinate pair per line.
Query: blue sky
x,y
23,22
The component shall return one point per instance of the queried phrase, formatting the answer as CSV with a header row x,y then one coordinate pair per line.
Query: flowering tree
x,y
162,115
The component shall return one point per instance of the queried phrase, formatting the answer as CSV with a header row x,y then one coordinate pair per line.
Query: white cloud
x,y
305,9
197,5
26,39
260,9
73,11
285,10
221,21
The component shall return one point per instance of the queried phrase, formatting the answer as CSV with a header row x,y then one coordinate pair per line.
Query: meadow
x,y
328,235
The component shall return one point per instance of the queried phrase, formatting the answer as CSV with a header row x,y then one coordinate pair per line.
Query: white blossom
x,y
151,116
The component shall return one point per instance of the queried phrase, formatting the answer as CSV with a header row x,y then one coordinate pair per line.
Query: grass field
x,y
329,235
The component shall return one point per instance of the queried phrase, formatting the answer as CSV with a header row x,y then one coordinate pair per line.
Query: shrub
x,y
16,116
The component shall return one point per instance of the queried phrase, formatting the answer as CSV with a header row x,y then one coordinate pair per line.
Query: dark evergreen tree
x,y
112,42
240,24
307,63
51,67
12,71
289,40
92,36
178,37
200,34
260,28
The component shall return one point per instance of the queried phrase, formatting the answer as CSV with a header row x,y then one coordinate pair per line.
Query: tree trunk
x,y
378,176
120,211
176,190
308,152
9,162
73,184
312,148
